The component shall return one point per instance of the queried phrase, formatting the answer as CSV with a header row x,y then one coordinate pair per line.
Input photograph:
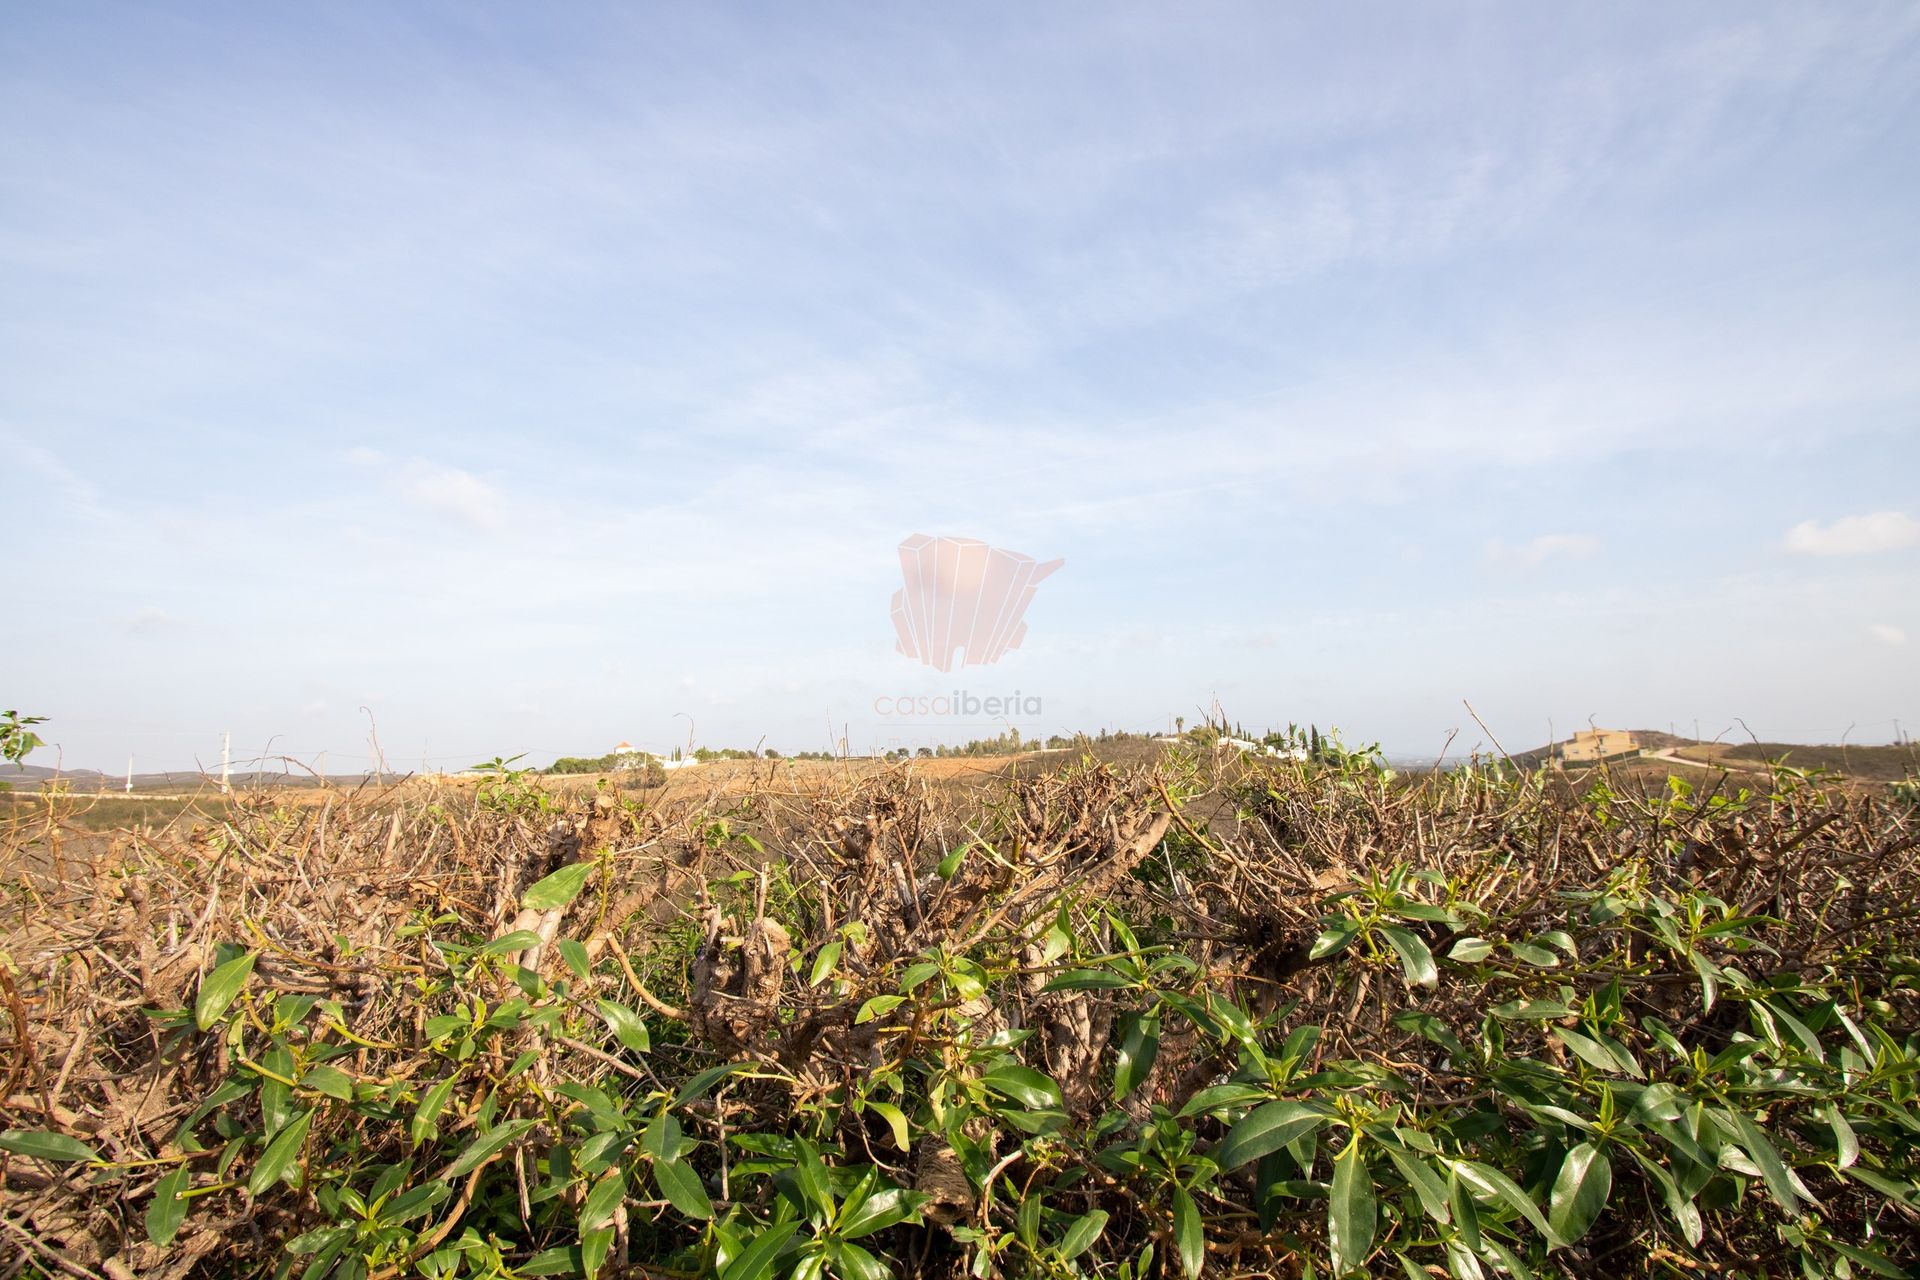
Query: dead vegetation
x,y
1239,1021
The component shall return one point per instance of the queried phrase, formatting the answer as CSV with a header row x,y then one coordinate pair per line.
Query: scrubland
x,y
1174,1016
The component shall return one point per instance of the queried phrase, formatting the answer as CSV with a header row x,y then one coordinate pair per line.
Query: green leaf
x,y
45,1144
595,1245
1772,1169
1709,974
1531,1010
168,1208
877,1212
1497,1185
331,1081
824,963
661,1138
698,1086
1680,1206
1139,1046
281,1155
558,889
1874,1261
1220,1096
413,1203
1352,1215
1599,1054
312,1242
1470,950
1266,1130
518,940
1580,1192
576,957
276,1095
896,1120
950,864
1334,939
1562,940
1892,1188
1462,1263
1188,1234
1466,1214
1081,1235
562,1260
810,1172
681,1185
421,1127
1659,1102
1088,980
855,1263
220,988
878,1007
626,1025
1846,1146
1425,1024
756,1260
484,1146
1426,1183
1415,959
603,1201
1025,1086
1056,944
1534,955
1231,1018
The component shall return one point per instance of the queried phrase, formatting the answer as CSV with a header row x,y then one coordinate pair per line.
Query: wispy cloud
x,y
1888,634
457,492
148,621
1855,535
79,493
444,490
660,354
1537,551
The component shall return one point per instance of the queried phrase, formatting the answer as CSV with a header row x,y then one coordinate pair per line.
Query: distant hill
x,y
1872,764
11,772
1885,763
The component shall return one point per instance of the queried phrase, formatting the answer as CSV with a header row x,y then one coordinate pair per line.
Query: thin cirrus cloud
x,y
1537,551
681,337
1888,634
442,490
148,621
1855,535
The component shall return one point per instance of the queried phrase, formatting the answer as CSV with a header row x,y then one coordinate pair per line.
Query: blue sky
x,y
542,377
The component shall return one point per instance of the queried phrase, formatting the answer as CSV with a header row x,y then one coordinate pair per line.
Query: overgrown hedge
x,y
1292,1019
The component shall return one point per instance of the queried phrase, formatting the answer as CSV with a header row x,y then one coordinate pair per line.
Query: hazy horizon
x,y
543,379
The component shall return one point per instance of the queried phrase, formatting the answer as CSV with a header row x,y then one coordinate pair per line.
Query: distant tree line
x,y
651,772
1307,741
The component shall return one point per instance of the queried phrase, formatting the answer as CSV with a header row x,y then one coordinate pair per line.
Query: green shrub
x,y
1310,1018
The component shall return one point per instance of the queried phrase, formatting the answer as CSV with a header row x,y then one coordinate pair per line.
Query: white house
x,y
628,756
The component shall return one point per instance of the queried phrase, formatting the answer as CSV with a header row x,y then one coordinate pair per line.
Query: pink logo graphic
x,y
962,594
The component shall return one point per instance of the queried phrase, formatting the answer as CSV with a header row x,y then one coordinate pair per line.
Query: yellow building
x,y
1591,745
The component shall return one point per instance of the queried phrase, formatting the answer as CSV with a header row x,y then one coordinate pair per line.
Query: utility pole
x,y
226,762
